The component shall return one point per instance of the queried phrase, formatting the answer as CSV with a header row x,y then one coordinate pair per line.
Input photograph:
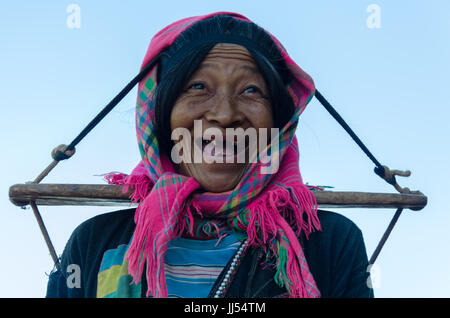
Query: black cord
x,y
94,122
379,169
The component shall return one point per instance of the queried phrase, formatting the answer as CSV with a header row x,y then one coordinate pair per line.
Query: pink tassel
x,y
294,275
152,235
140,183
285,209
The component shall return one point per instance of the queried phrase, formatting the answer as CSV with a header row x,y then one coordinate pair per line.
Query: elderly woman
x,y
216,226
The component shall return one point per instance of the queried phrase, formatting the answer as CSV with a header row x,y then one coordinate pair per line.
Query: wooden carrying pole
x,y
34,194
111,195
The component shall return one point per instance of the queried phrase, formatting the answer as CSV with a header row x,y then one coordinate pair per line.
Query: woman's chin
x,y
217,185
216,177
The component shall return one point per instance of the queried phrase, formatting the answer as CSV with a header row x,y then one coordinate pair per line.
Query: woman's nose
x,y
224,112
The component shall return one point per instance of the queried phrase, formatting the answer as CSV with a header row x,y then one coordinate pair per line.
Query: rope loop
x,y
62,152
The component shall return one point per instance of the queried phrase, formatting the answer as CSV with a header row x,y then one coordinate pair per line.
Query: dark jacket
x,y
336,257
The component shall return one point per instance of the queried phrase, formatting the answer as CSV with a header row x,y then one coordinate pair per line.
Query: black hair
x,y
182,58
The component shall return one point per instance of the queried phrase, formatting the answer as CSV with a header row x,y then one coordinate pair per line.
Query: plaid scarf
x,y
271,208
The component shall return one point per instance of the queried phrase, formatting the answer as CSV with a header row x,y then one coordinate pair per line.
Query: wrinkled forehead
x,y
231,56
230,51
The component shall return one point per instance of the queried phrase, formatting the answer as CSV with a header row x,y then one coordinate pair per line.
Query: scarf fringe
x,y
139,182
281,211
135,255
286,208
149,246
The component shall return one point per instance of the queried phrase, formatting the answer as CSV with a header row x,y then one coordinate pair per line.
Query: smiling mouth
x,y
231,150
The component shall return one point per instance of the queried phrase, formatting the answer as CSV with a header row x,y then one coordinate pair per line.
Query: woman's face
x,y
226,91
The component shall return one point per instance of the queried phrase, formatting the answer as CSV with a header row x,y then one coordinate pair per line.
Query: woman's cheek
x,y
180,118
260,116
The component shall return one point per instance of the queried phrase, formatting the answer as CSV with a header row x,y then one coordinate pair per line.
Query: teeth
x,y
214,142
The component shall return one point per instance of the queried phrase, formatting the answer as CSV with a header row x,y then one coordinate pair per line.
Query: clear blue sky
x,y
389,83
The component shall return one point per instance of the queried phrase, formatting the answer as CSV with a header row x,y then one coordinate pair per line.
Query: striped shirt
x,y
192,266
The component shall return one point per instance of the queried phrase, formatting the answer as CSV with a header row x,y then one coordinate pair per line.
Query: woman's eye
x,y
196,86
251,90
